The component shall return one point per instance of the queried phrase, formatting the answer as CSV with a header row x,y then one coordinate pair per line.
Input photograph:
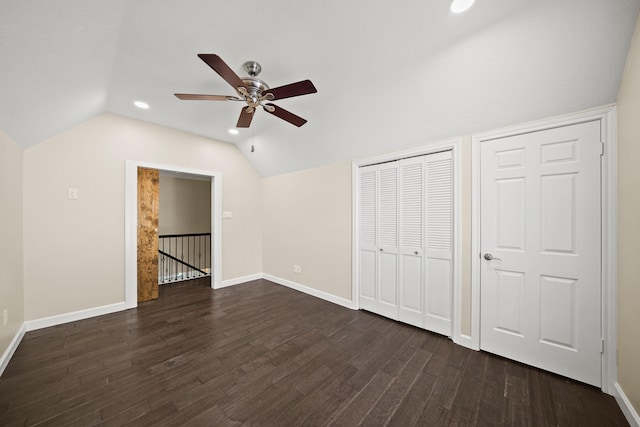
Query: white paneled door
x,y
540,227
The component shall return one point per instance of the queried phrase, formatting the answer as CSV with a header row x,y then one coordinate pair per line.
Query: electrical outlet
x,y
297,269
72,193
5,317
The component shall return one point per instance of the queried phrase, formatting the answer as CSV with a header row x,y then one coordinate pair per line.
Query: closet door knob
x,y
490,257
380,249
416,252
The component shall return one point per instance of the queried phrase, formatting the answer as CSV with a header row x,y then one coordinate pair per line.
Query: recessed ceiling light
x,y
234,131
459,6
142,105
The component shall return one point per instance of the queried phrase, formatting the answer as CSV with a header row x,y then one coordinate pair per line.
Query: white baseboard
x,y
310,291
289,284
239,280
45,322
625,405
13,345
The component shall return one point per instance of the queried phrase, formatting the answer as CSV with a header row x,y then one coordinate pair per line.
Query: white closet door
x,y
438,251
411,299
367,253
541,243
388,240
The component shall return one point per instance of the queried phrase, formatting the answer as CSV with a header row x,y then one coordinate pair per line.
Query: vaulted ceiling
x,y
390,75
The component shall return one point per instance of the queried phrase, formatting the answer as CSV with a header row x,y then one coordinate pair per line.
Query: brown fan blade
x,y
220,67
244,121
304,87
285,115
199,97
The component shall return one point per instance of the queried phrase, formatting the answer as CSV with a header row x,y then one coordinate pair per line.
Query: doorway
x,y
131,222
184,228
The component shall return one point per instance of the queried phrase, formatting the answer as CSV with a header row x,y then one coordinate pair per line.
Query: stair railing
x,y
183,257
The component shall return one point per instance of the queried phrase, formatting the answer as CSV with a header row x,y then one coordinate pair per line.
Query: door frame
x,y
131,224
455,146
608,189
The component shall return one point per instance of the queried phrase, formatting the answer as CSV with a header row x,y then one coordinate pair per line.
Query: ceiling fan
x,y
253,91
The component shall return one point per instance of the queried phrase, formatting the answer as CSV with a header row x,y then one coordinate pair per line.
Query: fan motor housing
x,y
255,86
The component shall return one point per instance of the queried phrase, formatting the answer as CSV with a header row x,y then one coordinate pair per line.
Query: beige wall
x,y
307,221
185,206
74,249
11,262
629,226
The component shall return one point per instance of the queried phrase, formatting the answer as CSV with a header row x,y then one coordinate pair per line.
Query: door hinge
x,y
601,345
602,148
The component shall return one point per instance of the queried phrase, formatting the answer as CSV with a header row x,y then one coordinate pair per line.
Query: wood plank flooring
x,y
265,355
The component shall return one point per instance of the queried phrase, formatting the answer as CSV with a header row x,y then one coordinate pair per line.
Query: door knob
x,y
490,257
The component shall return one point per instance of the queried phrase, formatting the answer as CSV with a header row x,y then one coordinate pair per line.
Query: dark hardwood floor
x,y
262,354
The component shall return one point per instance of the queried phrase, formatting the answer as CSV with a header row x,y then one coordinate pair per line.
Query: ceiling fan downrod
x,y
252,68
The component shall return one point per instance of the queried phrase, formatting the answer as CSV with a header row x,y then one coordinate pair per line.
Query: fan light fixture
x,y
459,6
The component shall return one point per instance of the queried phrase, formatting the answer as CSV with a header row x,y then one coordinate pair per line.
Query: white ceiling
x,y
390,75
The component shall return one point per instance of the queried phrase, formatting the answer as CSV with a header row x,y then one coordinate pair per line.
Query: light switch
x,y
227,214
72,193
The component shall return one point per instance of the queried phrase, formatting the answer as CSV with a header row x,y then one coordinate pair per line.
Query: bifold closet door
x,y
388,195
438,289
378,249
405,240
368,237
412,211
426,212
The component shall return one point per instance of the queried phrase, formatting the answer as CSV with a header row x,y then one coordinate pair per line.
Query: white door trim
x,y
607,117
455,147
131,224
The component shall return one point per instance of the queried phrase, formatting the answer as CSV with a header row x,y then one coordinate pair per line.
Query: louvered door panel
x,y
367,256
388,240
411,241
438,243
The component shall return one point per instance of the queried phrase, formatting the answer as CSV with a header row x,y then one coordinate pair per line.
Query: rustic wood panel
x,y
264,355
148,220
